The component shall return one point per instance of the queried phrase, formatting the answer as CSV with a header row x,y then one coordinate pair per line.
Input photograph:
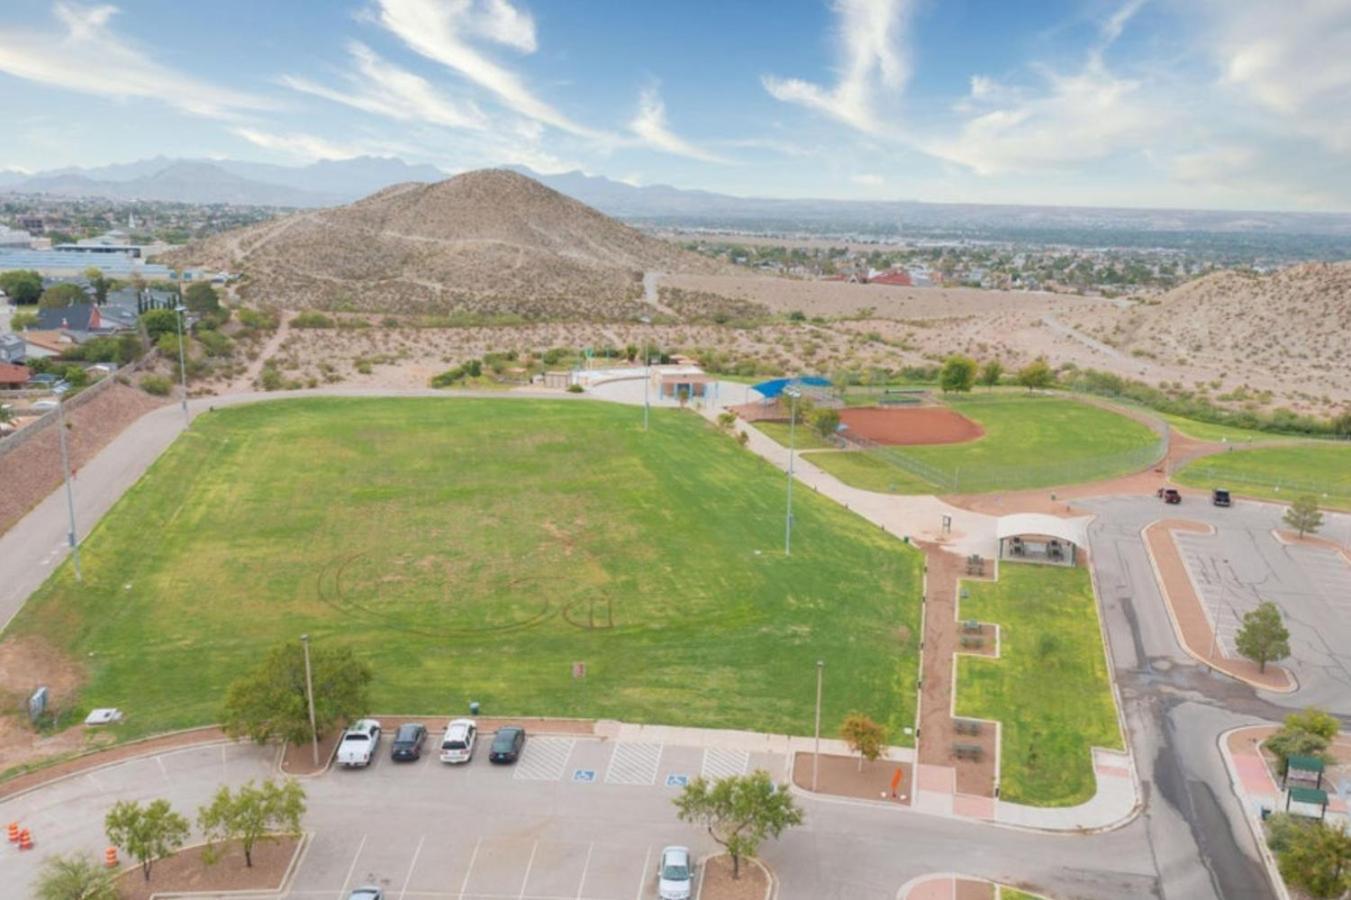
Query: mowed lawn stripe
x,y
476,549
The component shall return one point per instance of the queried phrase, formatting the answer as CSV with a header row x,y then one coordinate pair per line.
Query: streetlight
x,y
60,391
1215,617
793,393
816,754
309,695
183,367
647,381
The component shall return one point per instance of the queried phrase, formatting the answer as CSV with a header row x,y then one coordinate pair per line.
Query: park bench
x,y
971,626
972,642
967,751
975,564
966,726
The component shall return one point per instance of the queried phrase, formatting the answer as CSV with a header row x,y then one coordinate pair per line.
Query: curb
x,y
280,890
1254,824
771,888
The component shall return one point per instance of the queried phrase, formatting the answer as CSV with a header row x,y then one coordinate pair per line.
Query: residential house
x,y
45,344
13,377
85,320
11,348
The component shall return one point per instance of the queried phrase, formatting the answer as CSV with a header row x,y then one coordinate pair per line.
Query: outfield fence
x,y
1227,478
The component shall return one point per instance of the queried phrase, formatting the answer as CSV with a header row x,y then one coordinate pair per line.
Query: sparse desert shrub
x,y
311,319
156,385
575,389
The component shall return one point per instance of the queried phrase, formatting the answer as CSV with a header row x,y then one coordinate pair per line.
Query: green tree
x,y
991,372
825,420
159,322
957,375
1263,638
74,878
201,298
100,283
1303,515
1036,375
251,814
63,294
23,319
1317,860
145,833
1306,733
22,286
739,812
864,736
269,702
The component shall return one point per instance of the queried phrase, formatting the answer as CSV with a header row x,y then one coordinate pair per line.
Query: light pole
x,y
1215,617
647,381
309,696
816,754
182,361
793,394
60,392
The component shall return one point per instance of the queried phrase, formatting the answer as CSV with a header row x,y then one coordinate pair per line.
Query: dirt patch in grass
x,y
186,870
30,661
718,883
841,776
916,425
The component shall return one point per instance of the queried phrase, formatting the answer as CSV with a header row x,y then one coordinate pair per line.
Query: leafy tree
x,y
958,374
6,413
145,833
739,812
825,420
269,702
1263,638
1317,860
726,419
1303,515
991,372
1307,733
1314,721
864,736
159,322
251,814
22,286
100,283
1036,375
74,878
201,298
63,294
21,320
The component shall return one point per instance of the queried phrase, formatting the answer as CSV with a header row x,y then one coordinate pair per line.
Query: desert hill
x,y
490,242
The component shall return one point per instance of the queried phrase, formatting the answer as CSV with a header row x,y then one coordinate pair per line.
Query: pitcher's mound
x,y
912,425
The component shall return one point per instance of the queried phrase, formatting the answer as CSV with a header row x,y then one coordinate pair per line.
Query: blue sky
x,y
1182,103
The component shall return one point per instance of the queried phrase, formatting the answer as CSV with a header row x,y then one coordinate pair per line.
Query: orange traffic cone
x,y
14,832
110,857
25,840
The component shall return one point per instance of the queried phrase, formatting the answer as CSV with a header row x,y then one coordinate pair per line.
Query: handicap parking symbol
x,y
584,776
677,781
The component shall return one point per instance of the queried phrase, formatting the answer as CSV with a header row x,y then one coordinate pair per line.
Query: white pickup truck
x,y
358,744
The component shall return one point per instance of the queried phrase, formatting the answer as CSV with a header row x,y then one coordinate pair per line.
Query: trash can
x,y
473,707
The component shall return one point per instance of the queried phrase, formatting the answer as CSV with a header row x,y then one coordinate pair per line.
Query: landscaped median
x,y
1049,688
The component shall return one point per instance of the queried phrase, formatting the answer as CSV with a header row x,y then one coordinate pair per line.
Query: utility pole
x,y
182,361
647,381
816,754
793,394
65,470
309,695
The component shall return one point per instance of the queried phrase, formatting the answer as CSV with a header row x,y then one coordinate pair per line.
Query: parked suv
x,y
457,744
675,874
1170,495
1220,497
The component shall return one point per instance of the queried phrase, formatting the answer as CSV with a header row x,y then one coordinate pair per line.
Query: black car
x,y
407,745
1220,497
507,744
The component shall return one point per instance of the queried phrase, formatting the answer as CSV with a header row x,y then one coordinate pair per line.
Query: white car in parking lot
x,y
359,742
457,744
675,874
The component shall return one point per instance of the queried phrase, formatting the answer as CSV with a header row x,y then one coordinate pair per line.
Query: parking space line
x,y
642,877
412,866
530,864
586,867
159,761
342,891
473,857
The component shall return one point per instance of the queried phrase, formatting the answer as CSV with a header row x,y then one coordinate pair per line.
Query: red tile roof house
x,y
13,377
901,278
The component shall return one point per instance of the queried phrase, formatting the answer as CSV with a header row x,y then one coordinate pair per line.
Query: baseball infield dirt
x,y
912,425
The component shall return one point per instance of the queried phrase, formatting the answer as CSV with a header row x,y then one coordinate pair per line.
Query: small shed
x,y
1041,538
687,382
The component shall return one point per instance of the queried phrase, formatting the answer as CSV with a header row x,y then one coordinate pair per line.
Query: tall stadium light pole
x,y
816,754
793,394
182,362
309,696
65,470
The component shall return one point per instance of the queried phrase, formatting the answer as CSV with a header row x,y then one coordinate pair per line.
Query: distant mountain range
x,y
331,183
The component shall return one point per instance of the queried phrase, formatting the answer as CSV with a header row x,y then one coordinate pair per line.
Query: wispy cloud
x,y
441,31
377,86
650,125
299,145
88,56
870,33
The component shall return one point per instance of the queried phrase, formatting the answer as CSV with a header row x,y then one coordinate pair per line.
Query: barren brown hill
x,y
489,242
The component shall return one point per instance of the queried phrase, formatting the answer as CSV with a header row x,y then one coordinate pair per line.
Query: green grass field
x,y
1209,431
1278,473
1029,442
804,438
475,549
1049,687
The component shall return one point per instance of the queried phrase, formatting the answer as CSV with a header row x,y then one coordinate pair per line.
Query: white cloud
x,y
1291,59
868,180
376,86
438,31
869,39
89,57
298,145
650,125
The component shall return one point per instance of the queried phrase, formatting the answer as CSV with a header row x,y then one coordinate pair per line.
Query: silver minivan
x,y
457,744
